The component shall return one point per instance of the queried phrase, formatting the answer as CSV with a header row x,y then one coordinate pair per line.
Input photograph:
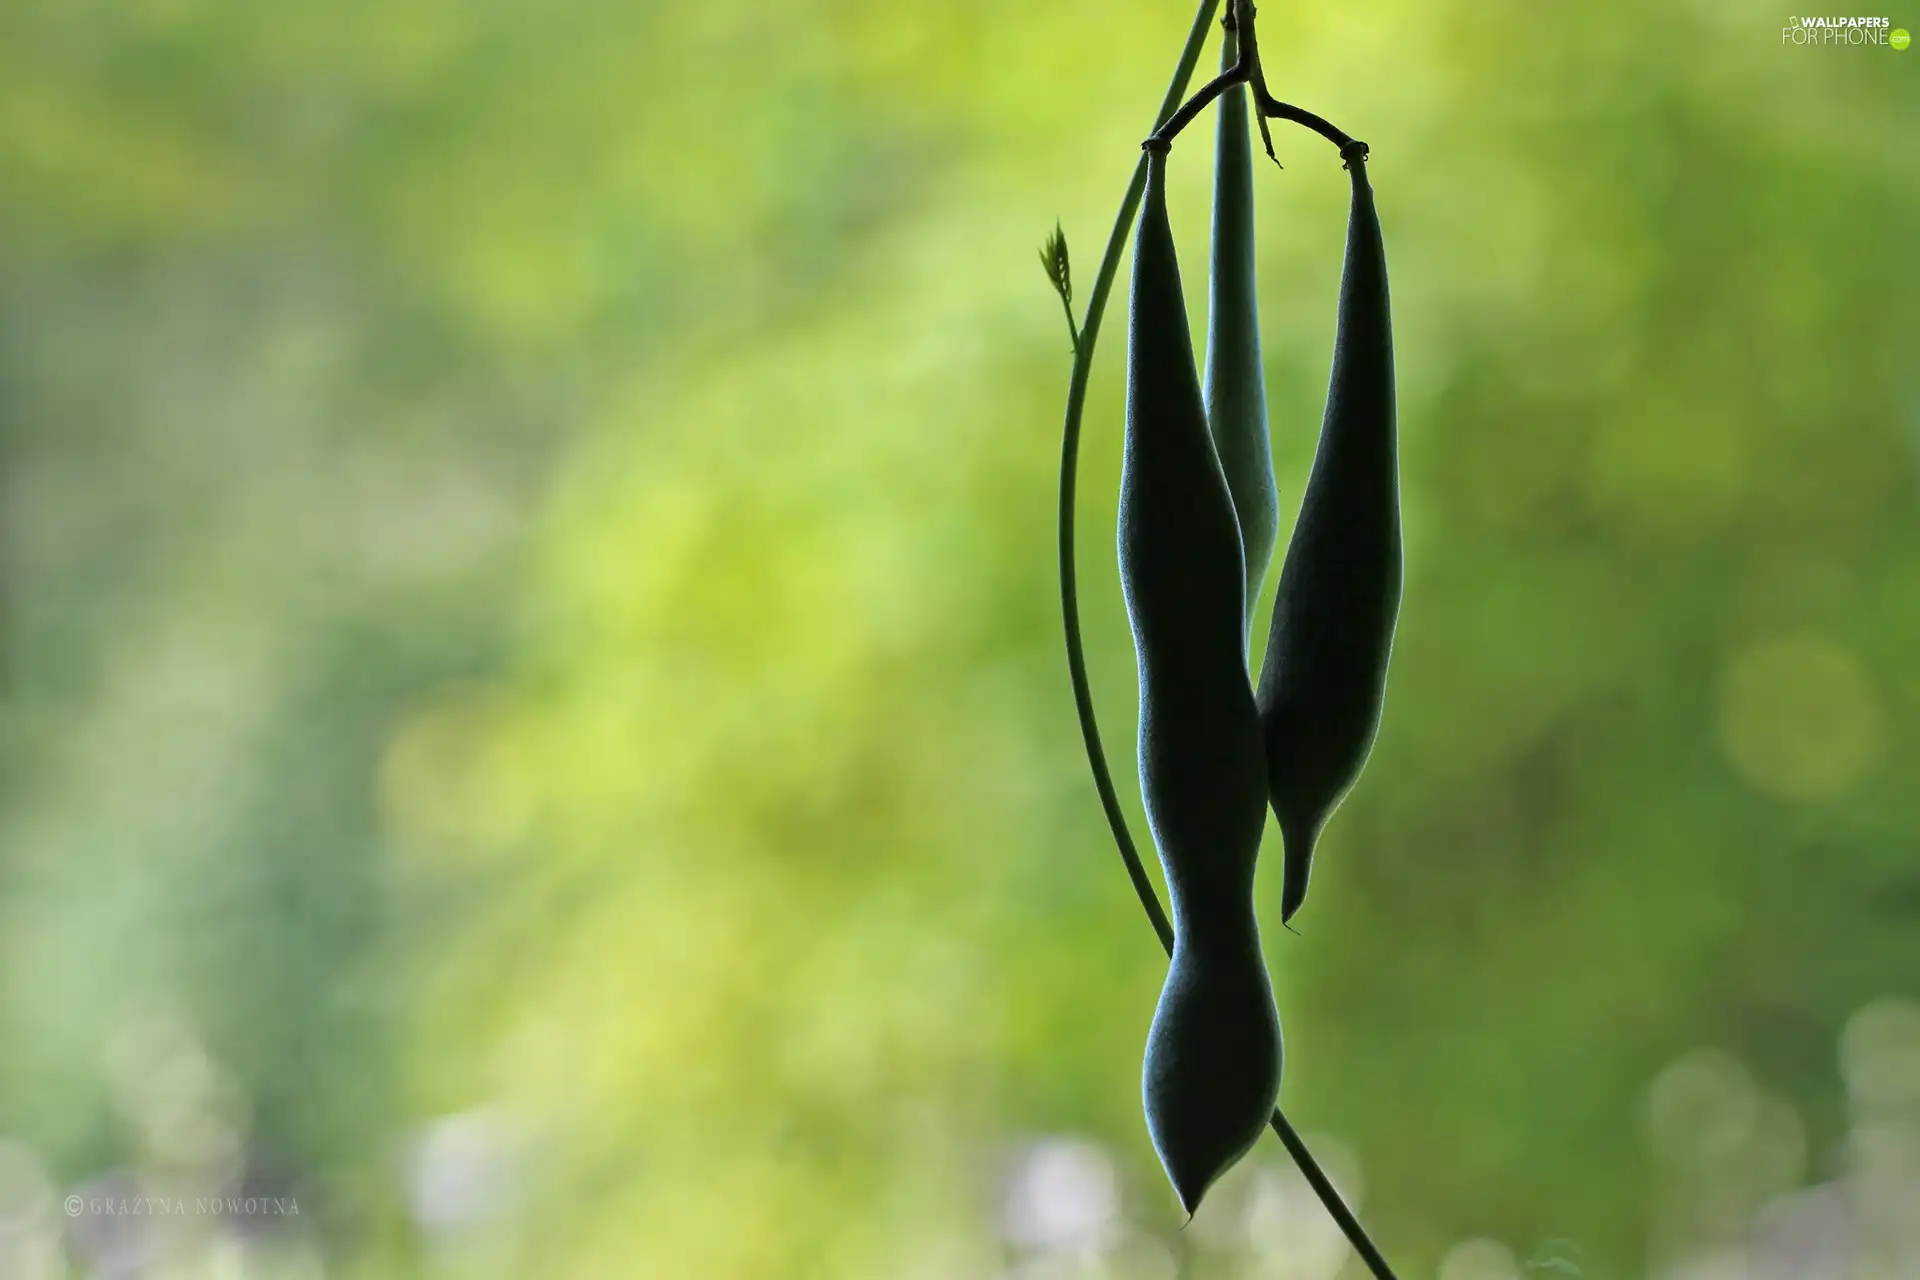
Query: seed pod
x,y
1236,391
1326,665
1212,1066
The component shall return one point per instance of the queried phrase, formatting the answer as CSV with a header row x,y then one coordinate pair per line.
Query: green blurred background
x,y
534,738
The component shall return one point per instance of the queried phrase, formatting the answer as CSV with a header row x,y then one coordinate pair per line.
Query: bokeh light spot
x,y
1798,718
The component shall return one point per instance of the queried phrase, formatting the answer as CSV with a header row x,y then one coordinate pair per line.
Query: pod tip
x,y
1190,1201
1298,838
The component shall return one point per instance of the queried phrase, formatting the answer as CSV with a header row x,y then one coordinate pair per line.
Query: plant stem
x,y
1273,108
1330,1197
1085,342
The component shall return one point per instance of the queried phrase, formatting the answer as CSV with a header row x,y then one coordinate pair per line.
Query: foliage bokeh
x,y
534,722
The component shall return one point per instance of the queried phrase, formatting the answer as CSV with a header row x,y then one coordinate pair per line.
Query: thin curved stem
x,y
1084,344
1069,476
1203,96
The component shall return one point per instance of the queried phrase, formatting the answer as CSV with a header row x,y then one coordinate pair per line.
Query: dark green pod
x,y
1212,1066
1236,391
1326,666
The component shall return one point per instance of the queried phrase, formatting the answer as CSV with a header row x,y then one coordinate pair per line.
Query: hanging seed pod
x,y
1236,393
1326,664
1212,1066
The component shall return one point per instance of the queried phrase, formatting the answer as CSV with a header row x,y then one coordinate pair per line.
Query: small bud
x,y
1053,259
